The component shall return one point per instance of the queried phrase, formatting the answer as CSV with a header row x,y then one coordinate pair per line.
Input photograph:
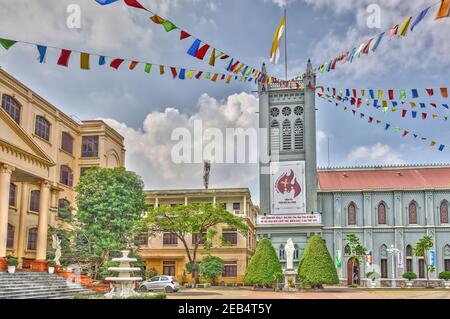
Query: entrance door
x,y
353,273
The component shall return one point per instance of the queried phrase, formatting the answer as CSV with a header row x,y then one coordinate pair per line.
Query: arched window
x,y
67,142
32,239
287,136
381,214
296,252
10,237
42,128
282,252
12,195
64,209
66,176
34,201
275,135
444,212
351,214
412,213
298,133
447,258
409,258
12,107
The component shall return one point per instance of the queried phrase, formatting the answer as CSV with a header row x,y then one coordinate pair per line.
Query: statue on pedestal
x,y
289,249
289,273
56,245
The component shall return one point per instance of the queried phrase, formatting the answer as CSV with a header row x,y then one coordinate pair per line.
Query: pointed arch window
x,y
412,213
384,261
296,252
382,214
298,132
287,135
347,250
447,258
275,135
409,258
351,214
443,211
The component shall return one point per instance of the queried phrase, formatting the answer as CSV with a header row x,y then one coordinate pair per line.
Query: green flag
x,y
169,26
148,68
7,43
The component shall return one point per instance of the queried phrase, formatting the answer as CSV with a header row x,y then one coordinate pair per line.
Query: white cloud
x,y
321,136
149,149
377,154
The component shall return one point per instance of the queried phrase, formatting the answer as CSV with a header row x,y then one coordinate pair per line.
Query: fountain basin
x,y
123,279
124,269
124,260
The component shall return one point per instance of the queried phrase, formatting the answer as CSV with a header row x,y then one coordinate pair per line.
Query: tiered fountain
x,y
123,285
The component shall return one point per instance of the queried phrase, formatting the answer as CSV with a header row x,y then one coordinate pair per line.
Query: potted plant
x,y
446,277
12,263
409,276
372,276
51,266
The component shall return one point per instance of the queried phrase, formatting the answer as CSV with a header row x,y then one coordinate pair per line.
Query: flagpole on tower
x,y
285,45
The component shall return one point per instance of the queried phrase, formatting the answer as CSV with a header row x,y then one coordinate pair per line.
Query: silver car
x,y
168,284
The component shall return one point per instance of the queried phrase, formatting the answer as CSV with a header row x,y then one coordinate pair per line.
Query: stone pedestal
x,y
39,265
290,276
3,263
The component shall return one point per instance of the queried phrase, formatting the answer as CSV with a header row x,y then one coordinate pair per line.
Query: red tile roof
x,y
384,179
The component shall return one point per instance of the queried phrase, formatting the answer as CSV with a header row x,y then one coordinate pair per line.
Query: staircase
x,y
37,285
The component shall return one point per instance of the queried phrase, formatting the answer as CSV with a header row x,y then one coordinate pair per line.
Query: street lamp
x,y
394,251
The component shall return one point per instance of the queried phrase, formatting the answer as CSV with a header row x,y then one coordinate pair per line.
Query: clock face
x,y
274,112
286,111
298,110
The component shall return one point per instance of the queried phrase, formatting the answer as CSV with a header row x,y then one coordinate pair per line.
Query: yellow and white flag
x,y
275,51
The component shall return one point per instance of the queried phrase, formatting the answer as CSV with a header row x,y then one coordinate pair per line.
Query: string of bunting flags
x,y
85,63
202,50
387,126
397,31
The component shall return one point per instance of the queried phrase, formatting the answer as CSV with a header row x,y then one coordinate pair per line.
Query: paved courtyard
x,y
331,293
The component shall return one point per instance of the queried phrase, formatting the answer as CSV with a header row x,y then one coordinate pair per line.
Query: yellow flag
x,y
84,61
403,30
275,50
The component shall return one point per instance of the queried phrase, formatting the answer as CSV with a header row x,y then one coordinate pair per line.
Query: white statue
x,y
56,245
289,249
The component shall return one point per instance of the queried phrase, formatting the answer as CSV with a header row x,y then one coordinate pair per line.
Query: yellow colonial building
x,y
43,153
166,254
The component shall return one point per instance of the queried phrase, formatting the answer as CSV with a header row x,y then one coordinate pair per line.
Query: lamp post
x,y
393,250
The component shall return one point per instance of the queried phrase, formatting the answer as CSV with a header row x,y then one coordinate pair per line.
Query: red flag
x,y
404,112
116,63
359,103
135,4
202,52
391,94
198,75
355,93
434,105
430,92
64,57
174,72
133,64
424,116
354,112
333,65
370,119
405,133
444,92
366,48
184,35
223,77
234,66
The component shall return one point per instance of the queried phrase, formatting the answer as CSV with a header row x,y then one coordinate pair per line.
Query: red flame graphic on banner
x,y
286,183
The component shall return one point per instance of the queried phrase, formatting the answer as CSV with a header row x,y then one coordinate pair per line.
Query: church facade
x,y
385,207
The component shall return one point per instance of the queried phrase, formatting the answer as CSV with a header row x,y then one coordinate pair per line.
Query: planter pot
x,y
409,284
447,284
11,269
372,284
51,270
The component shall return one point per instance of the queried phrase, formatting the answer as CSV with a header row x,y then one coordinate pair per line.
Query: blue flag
x,y
377,43
42,52
101,60
182,75
415,94
194,47
419,18
441,148
387,126
104,2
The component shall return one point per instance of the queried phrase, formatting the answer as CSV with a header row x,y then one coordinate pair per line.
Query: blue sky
x,y
146,108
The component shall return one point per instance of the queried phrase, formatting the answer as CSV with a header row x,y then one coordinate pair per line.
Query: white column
x,y
24,196
41,251
5,181
245,205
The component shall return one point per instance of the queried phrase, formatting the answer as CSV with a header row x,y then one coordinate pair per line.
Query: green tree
x,y
210,268
110,202
422,249
357,251
316,266
184,220
264,268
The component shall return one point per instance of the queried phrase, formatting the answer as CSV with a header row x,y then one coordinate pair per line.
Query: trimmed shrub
x,y
264,267
409,275
444,275
316,266
210,268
